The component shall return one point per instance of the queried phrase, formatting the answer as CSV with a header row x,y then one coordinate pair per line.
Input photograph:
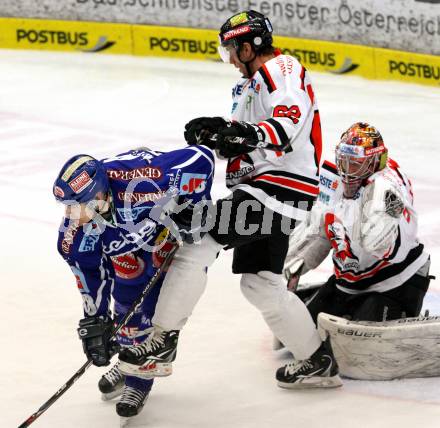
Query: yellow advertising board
x,y
336,58
191,43
65,36
407,67
187,43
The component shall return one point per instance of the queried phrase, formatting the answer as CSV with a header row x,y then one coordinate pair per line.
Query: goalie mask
x,y
251,27
360,153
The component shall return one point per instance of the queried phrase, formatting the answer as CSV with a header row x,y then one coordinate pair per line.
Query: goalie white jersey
x,y
374,249
279,98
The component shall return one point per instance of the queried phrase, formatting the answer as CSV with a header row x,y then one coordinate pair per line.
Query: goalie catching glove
x,y
96,336
232,138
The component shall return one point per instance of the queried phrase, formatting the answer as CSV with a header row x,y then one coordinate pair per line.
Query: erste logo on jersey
x,y
329,184
252,85
192,183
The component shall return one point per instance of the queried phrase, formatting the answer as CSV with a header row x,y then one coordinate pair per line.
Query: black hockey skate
x,y
111,383
130,404
319,371
152,358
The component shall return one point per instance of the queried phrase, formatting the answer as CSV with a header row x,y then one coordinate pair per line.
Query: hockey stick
x,y
249,143
263,144
136,304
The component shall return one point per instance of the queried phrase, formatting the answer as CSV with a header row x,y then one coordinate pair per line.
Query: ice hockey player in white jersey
x,y
366,217
273,146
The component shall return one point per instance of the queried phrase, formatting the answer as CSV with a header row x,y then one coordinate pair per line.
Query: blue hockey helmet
x,y
79,180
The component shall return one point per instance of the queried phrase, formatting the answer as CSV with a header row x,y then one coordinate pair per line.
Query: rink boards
x,y
189,43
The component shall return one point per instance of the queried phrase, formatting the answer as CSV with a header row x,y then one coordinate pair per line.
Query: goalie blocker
x,y
404,348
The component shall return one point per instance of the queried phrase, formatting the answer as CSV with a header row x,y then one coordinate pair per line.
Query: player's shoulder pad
x,y
330,167
278,72
388,179
194,159
130,160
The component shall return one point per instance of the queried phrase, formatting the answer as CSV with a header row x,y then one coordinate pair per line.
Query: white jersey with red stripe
x,y
397,253
372,251
279,98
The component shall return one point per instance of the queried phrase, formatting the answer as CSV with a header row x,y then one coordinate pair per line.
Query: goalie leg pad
x,y
404,348
327,299
377,307
285,314
411,294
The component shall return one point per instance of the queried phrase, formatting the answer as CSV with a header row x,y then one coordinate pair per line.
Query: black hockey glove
x,y
201,129
228,138
95,333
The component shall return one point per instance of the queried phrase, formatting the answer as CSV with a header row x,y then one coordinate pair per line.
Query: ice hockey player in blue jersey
x,y
113,244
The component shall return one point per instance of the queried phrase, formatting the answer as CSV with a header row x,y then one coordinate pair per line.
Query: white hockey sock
x,y
284,312
184,283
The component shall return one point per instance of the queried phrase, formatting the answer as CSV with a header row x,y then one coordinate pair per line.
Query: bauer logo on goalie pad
x,y
377,350
358,333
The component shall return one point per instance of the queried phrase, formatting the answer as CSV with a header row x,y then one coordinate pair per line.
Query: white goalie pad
x,y
405,348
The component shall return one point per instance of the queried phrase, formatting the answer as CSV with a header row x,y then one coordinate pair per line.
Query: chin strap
x,y
247,63
248,68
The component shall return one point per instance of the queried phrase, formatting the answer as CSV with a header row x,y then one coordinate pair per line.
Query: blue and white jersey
x,y
116,255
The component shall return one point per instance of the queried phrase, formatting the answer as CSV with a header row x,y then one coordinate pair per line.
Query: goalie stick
x,y
136,304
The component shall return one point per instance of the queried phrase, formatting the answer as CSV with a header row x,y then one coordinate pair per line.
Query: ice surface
x,y
55,105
